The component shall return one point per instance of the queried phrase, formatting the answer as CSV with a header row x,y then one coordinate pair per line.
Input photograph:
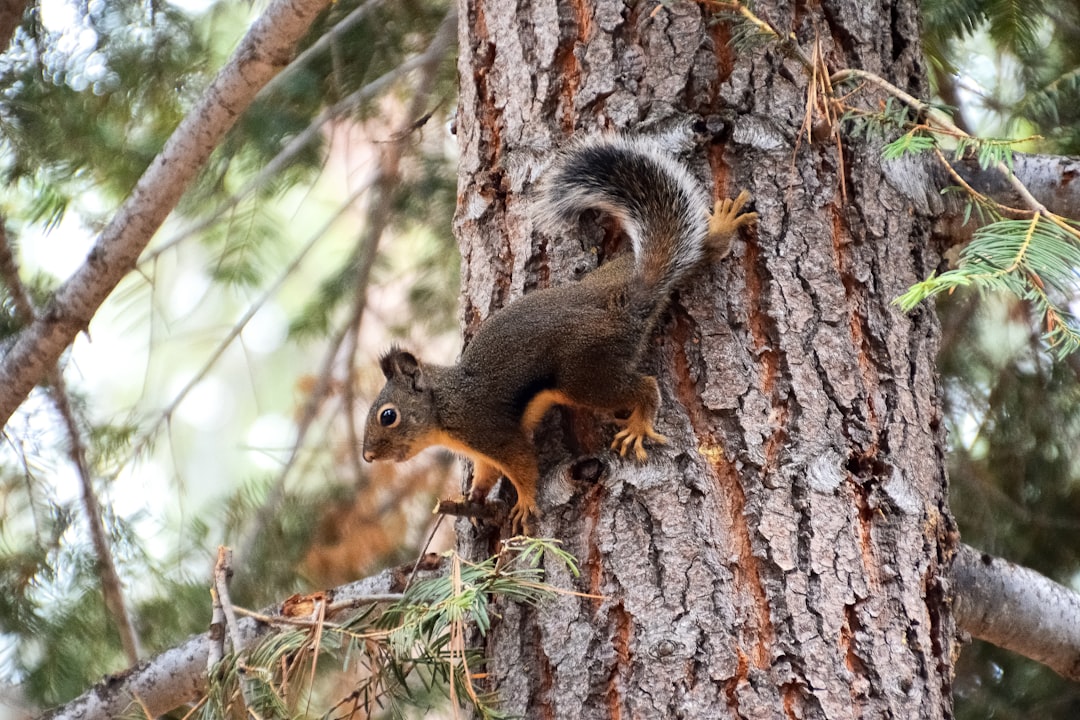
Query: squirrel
x,y
578,344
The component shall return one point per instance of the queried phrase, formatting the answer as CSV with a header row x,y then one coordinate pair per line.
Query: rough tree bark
x,y
782,556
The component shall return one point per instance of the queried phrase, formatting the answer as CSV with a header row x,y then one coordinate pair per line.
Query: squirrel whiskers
x,y
578,344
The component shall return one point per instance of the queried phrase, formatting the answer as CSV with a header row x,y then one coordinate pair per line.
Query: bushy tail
x,y
661,206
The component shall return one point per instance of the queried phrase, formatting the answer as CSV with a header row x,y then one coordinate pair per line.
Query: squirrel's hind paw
x,y
522,516
524,511
633,436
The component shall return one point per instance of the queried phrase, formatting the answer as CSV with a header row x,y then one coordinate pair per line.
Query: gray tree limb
x,y
264,51
920,178
1018,609
1048,177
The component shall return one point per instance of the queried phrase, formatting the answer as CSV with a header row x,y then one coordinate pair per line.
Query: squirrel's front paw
x,y
728,216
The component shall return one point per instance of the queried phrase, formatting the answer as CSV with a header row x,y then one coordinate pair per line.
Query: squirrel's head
x,y
401,420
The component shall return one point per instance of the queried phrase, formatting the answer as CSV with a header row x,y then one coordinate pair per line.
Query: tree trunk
x,y
782,555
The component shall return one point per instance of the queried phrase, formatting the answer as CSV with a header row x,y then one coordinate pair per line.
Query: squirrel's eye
x,y
388,417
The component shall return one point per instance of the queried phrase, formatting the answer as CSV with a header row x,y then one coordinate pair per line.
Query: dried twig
x,y
222,575
111,586
217,631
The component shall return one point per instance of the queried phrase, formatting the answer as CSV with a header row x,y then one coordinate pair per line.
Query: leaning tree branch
x,y
111,587
263,52
178,676
1040,174
1018,609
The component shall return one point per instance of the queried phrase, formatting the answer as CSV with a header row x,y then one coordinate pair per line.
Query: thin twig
x,y
355,602
978,196
238,327
111,586
325,40
195,708
348,391
331,610
142,706
423,550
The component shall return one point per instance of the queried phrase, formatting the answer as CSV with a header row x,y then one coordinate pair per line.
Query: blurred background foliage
x,y
219,392
1010,69
213,394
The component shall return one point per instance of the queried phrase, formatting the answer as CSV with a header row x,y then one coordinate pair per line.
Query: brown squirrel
x,y
578,344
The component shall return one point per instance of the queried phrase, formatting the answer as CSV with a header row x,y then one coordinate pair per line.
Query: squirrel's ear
x,y
401,363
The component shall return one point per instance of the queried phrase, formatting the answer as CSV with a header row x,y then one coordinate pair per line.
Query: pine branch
x,y
264,51
419,635
111,587
1018,609
178,675
1030,258
1014,607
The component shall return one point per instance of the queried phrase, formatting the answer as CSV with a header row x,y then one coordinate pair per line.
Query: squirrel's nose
x,y
368,455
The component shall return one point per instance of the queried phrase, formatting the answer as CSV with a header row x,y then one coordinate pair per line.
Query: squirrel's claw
x,y
633,436
728,216
522,515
